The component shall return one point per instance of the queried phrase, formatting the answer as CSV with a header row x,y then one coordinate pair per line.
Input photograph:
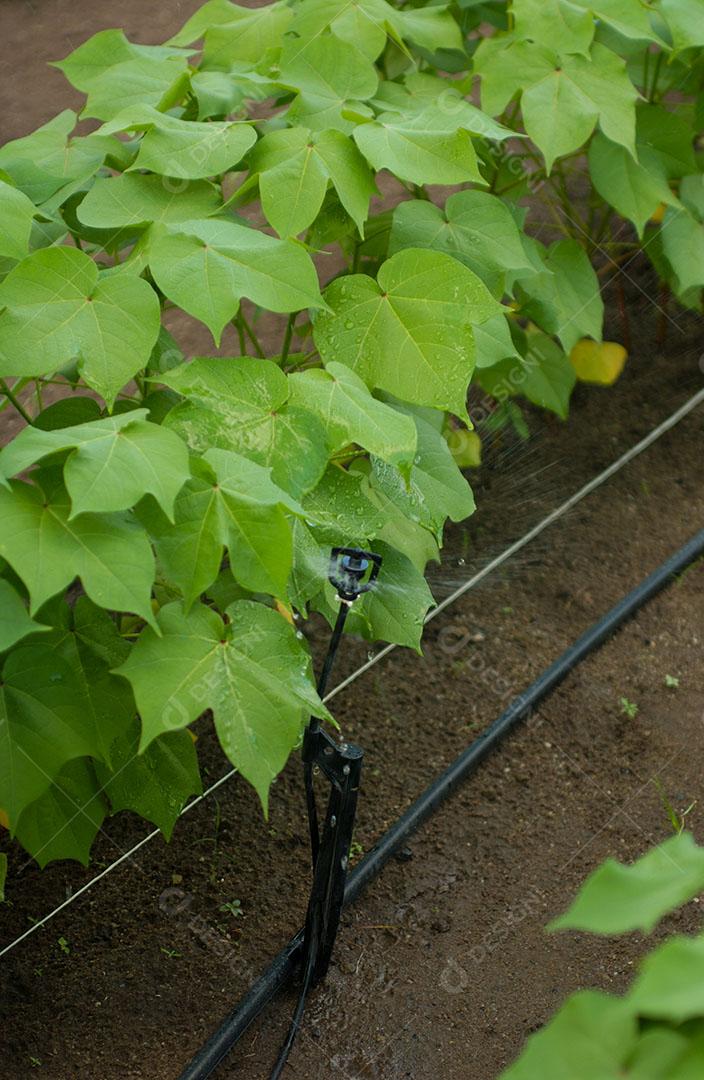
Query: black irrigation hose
x,y
283,967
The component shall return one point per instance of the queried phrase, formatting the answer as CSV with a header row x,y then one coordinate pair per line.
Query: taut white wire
x,y
559,512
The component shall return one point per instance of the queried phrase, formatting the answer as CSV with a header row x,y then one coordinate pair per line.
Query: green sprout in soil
x,y
233,907
628,708
672,682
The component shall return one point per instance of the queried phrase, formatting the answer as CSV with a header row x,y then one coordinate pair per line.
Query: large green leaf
x,y
87,638
231,502
15,623
58,309
664,149
16,216
295,166
352,415
567,300
43,724
436,489
326,73
113,463
685,22
477,228
395,609
633,190
558,23
428,147
207,266
183,148
410,332
671,982
682,237
589,1038
136,199
155,784
421,91
544,375
104,50
64,821
51,157
617,898
115,73
241,404
246,35
340,510
562,98
108,552
630,18
252,672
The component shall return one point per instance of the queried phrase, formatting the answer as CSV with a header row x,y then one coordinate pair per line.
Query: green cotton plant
x,y
164,518
656,1030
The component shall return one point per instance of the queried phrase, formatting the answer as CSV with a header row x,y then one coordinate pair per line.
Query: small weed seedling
x,y
672,682
628,708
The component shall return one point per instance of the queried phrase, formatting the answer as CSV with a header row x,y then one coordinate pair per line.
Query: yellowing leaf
x,y
598,363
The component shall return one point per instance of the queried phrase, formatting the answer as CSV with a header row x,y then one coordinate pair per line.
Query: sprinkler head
x,y
353,572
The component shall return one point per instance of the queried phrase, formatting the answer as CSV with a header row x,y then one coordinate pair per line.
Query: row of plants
x,y
164,520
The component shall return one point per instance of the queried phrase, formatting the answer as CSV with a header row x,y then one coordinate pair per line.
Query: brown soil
x,y
443,967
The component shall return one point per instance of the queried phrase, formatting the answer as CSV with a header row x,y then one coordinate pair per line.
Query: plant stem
x,y
656,76
285,348
250,333
5,389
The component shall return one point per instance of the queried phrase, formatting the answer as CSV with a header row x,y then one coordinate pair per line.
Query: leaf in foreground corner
x,y
617,898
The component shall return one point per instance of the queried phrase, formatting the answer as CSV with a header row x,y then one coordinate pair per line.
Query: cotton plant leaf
x,y
235,261
409,332
630,18
104,50
247,35
212,13
562,98
340,510
15,623
184,149
17,213
230,503
58,309
476,228
591,1036
566,301
113,462
682,238
108,552
326,74
420,91
50,158
43,725
436,489
136,199
241,404
427,147
64,820
566,26
617,898
544,375
493,342
395,610
685,21
155,784
295,167
351,414
252,672
400,532
670,985
87,638
630,187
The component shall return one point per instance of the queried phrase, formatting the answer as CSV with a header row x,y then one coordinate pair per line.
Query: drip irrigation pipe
x,y
283,967
554,515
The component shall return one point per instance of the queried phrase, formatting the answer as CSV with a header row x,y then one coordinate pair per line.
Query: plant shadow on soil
x,y
443,967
